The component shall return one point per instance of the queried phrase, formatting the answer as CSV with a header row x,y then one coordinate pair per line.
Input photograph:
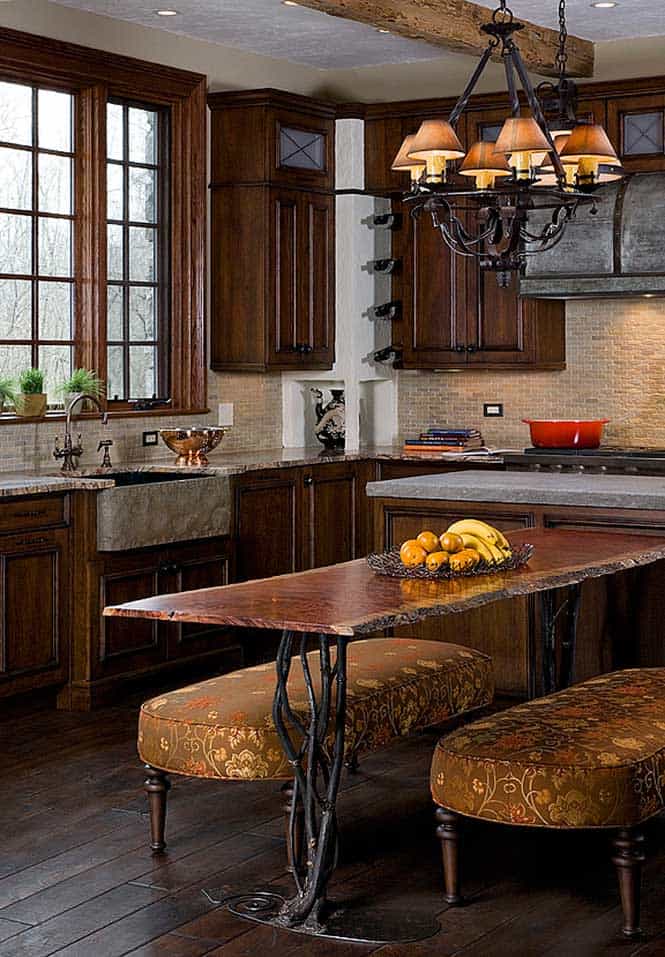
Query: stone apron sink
x,y
157,508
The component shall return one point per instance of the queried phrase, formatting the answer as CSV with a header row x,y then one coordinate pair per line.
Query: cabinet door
x,y
187,569
432,295
268,524
316,273
129,645
330,514
301,280
34,582
496,320
636,127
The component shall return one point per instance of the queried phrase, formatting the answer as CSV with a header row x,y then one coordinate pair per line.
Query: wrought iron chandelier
x,y
512,198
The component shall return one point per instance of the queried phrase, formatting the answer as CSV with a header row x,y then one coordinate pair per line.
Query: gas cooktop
x,y
608,459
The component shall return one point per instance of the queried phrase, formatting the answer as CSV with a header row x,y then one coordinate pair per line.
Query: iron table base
x,y
351,921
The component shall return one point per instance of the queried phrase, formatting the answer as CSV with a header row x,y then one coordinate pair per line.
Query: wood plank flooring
x,y
77,878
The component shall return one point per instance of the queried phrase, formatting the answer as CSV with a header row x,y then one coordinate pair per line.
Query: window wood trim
x,y
95,75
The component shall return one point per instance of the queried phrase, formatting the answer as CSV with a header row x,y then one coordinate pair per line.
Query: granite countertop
x,y
608,491
221,463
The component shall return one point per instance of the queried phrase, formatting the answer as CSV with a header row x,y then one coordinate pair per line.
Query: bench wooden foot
x,y
628,859
157,786
294,848
448,832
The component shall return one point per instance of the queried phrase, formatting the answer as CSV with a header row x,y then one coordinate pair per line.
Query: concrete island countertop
x,y
601,491
41,482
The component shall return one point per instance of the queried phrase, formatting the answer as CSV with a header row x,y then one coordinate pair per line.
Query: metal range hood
x,y
616,253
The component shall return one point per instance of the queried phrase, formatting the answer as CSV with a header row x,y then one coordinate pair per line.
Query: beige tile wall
x,y
615,369
257,424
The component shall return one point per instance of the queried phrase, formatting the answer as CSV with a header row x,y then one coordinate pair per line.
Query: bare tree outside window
x,y
137,251
37,266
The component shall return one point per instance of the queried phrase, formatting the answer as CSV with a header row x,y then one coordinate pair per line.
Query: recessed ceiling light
x,y
605,4
381,30
289,3
166,13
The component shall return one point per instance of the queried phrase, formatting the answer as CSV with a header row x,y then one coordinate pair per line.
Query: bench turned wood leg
x,y
295,855
628,859
157,786
448,832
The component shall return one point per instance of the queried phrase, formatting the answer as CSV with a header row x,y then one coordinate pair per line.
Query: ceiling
x,y
314,39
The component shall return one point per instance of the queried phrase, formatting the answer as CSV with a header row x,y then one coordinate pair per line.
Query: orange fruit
x,y
412,553
451,542
437,560
429,541
463,561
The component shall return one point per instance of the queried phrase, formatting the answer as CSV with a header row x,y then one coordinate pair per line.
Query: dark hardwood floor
x,y
77,878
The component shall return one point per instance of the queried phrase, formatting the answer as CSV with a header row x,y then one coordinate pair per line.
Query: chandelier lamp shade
x,y
483,205
403,162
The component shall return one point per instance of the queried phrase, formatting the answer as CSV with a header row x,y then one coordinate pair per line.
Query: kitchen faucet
x,y
69,452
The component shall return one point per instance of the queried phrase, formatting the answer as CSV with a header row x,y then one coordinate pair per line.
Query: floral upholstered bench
x,y
592,756
223,728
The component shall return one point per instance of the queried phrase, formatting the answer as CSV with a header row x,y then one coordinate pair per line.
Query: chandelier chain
x,y
562,56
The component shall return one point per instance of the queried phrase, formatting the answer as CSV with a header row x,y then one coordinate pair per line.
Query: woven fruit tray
x,y
390,564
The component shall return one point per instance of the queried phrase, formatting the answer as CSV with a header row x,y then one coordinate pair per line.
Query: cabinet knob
x,y
460,349
168,568
303,348
472,348
307,481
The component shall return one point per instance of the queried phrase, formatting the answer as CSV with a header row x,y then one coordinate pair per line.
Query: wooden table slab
x,y
349,599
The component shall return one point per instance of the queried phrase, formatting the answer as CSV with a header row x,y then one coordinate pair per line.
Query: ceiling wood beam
x,y
455,25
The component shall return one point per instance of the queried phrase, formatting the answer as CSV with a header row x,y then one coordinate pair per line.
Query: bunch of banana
x,y
489,542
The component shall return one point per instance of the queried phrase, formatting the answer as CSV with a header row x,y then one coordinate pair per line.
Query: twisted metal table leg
x,y
317,769
552,681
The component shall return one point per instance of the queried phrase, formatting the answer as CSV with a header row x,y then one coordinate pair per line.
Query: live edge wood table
x,y
334,605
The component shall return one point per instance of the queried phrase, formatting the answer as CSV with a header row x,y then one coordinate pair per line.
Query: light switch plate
x,y
225,413
150,438
493,410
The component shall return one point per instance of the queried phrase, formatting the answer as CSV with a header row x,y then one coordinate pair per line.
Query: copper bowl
x,y
192,445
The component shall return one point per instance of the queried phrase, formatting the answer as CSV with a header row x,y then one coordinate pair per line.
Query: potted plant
x,y
7,392
32,399
82,380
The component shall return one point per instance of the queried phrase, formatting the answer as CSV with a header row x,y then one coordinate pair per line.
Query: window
x,y
37,285
137,251
102,222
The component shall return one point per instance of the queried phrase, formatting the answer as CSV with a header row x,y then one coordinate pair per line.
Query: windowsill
x,y
10,418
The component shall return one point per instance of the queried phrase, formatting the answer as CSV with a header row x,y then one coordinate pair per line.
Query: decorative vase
x,y
330,428
31,405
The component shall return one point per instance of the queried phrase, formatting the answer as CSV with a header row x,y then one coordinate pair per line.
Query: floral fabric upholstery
x,y
590,756
223,727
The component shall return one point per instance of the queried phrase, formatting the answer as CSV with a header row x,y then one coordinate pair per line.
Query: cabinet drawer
x,y
23,514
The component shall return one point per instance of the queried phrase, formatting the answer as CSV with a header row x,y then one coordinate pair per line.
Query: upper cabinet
x,y
636,125
272,232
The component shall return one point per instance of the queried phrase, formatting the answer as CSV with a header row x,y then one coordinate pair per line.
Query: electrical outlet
x,y
493,410
151,438
225,413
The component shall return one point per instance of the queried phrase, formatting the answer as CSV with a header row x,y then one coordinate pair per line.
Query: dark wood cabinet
x,y
288,520
272,233
267,526
636,127
455,315
34,603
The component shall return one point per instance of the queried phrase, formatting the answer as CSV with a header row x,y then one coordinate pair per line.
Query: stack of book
x,y
437,440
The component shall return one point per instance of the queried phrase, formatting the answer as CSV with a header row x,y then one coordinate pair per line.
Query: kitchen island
x,y
620,619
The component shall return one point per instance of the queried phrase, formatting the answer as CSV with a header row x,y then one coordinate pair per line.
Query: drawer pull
x,y
35,513
32,541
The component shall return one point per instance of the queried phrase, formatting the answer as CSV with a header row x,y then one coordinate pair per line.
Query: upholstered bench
x,y
223,728
592,756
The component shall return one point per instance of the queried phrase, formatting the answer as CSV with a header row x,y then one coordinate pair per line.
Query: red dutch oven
x,y
566,433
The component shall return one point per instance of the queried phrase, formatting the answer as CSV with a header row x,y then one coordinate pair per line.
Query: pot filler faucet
x,y
69,453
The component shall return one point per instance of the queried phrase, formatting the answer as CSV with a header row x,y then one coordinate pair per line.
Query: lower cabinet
x,y
112,650
291,519
34,619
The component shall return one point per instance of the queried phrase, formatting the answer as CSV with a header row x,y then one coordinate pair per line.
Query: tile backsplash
x,y
615,370
257,424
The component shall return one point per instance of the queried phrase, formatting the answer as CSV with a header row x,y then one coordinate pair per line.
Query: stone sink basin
x,y
148,508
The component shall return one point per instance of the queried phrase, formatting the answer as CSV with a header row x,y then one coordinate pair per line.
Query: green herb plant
x,y
7,391
83,380
31,382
